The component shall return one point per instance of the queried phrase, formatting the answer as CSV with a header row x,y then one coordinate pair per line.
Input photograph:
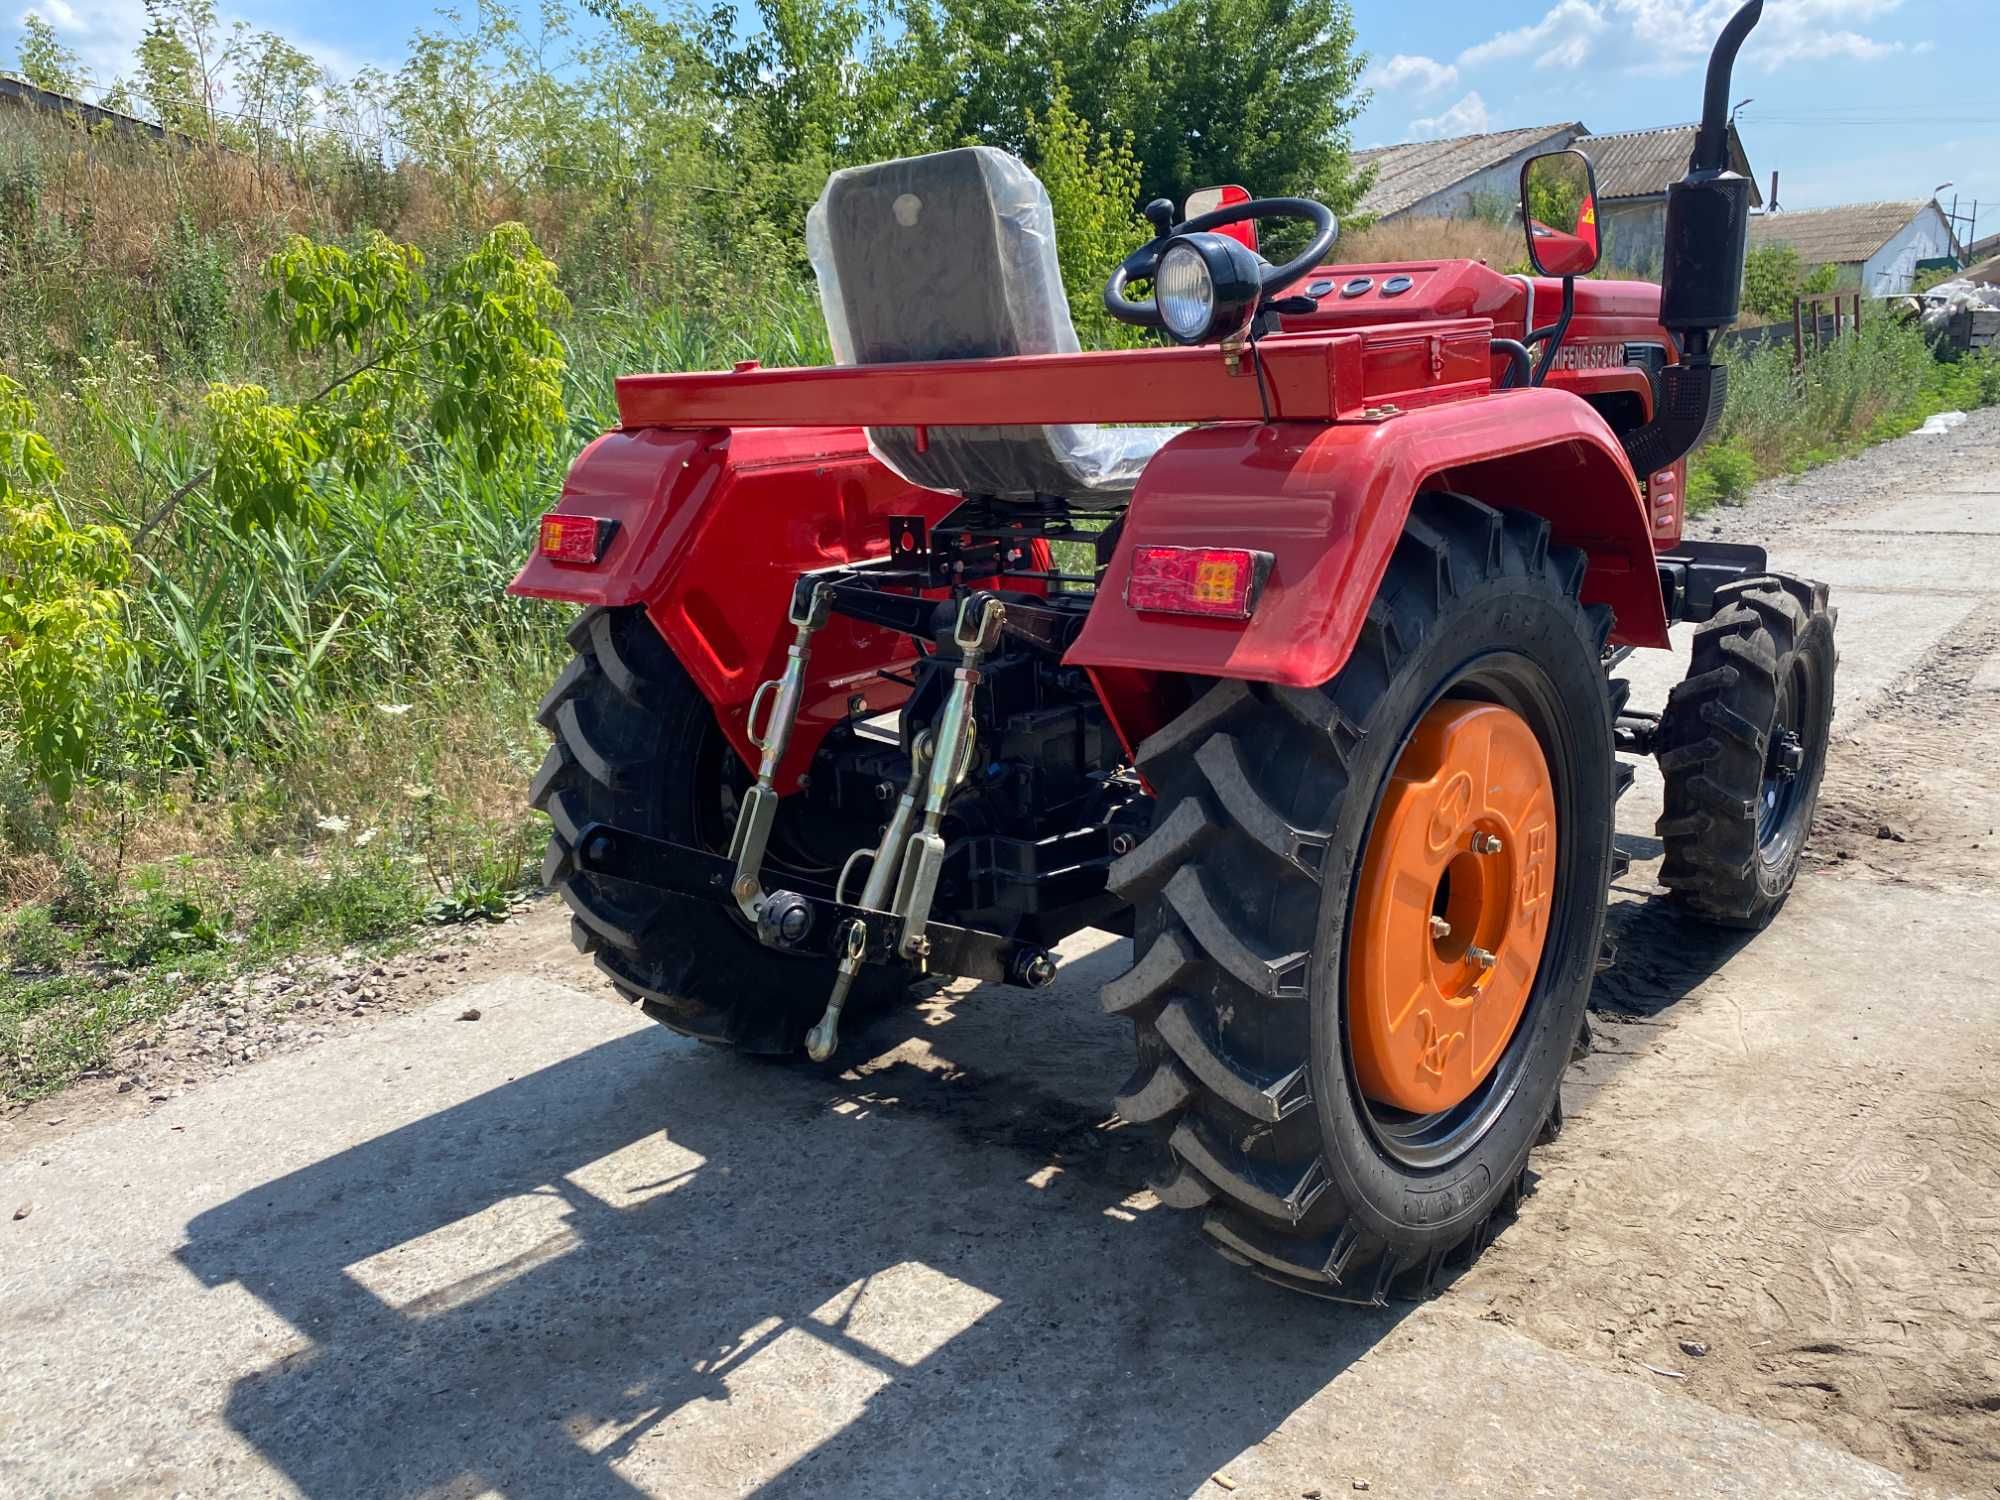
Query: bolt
x,y
917,947
1039,971
1486,843
1440,928
745,887
1122,843
858,704
884,791
794,923
1480,956
1791,756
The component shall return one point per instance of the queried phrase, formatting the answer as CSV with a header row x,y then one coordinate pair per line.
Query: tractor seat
x,y
953,256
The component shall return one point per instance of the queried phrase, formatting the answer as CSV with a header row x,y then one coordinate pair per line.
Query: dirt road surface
x,y
558,1252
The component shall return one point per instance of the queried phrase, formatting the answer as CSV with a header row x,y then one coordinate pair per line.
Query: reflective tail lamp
x,y
1220,583
574,539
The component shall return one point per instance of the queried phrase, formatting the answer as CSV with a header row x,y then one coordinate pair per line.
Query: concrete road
x,y
559,1252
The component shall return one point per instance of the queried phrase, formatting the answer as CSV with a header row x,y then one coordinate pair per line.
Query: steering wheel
x,y
1143,262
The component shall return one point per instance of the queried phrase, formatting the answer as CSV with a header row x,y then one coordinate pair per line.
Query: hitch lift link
x,y
913,865
760,803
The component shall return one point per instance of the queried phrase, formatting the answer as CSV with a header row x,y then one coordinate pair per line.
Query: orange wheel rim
x,y
1452,907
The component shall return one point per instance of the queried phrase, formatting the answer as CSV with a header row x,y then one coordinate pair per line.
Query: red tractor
x,y
1285,649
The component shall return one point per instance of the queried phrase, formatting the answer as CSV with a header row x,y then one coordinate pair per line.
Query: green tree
x,y
183,59
1261,92
62,603
470,355
275,85
1092,180
45,61
1772,277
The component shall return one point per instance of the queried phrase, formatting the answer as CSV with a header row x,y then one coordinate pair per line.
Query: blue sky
x,y
1853,99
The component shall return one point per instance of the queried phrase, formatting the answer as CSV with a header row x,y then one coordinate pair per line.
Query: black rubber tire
x,y
636,745
1769,644
1244,891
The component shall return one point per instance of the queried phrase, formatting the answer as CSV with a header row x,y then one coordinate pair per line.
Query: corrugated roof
x,y
1412,172
1843,236
1641,163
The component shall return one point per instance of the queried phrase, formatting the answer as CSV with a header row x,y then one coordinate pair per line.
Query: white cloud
x,y
1467,117
105,33
1424,75
1668,36
1565,37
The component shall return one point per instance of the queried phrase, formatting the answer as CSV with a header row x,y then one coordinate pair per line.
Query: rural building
x,y
1457,178
1634,170
1876,246
1481,174
20,94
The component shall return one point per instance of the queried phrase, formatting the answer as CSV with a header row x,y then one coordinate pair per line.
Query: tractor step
x,y
808,925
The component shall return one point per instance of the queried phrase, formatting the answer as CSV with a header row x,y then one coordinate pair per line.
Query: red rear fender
x,y
714,527
1328,502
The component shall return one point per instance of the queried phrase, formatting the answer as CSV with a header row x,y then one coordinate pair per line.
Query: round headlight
x,y
1207,287
1186,292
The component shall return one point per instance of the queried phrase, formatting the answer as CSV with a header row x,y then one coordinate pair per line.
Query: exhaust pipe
x,y
1701,279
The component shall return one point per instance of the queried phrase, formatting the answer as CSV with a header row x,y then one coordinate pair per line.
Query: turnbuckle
x,y
976,632
760,803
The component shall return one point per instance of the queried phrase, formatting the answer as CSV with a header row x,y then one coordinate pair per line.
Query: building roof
x,y
20,92
1983,248
1642,163
1409,173
1843,236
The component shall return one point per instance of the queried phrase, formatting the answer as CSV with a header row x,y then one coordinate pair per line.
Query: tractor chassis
x,y
1690,576
992,618
805,924
1040,889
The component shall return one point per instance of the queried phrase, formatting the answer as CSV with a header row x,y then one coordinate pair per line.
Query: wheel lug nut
x,y
1486,843
1480,956
1440,928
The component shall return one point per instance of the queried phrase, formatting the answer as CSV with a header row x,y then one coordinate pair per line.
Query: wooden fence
x,y
1819,321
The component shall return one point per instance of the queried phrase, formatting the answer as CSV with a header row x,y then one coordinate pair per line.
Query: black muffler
x,y
1701,281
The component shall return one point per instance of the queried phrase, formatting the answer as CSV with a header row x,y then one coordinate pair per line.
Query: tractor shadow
x,y
653,1268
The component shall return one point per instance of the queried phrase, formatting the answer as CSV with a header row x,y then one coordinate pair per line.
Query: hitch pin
x,y
760,803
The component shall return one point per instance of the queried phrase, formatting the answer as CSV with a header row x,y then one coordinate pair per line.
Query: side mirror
x,y
1207,200
1559,208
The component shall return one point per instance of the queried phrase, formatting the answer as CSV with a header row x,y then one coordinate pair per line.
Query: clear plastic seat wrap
x,y
953,256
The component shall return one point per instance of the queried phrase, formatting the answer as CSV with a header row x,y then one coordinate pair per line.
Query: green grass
x,y
1860,390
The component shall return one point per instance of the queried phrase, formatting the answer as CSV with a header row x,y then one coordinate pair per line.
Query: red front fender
x,y
1329,502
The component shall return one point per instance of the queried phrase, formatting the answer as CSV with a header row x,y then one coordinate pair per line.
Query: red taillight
x,y
1220,582
574,539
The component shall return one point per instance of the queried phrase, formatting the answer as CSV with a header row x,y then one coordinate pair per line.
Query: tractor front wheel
x,y
1369,913
1742,748
637,746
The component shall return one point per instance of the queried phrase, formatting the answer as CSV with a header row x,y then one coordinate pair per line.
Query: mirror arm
x,y
1556,332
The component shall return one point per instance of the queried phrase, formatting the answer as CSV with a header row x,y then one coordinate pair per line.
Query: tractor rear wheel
x,y
637,746
1368,916
1742,747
